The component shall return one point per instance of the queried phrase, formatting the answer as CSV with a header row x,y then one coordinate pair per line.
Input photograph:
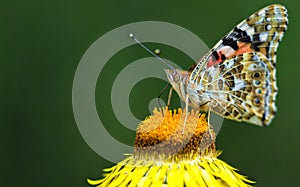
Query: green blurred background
x,y
41,44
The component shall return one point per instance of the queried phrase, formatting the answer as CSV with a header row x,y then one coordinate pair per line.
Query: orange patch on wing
x,y
243,48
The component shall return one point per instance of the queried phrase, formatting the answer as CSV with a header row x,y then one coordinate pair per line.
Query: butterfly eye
x,y
176,77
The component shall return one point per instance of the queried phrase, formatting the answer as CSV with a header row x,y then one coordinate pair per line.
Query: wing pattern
x,y
243,88
238,74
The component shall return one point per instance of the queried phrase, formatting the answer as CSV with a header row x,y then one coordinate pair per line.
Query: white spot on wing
x,y
255,59
255,120
274,106
252,67
239,84
243,26
279,19
277,9
227,50
230,64
262,12
263,36
250,31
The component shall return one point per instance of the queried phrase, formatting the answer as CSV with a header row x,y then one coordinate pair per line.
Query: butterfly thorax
x,y
180,81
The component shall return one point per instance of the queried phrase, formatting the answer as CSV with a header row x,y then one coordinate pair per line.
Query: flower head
x,y
165,155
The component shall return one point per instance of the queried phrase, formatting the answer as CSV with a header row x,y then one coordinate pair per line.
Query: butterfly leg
x,y
209,127
159,96
186,112
208,136
170,95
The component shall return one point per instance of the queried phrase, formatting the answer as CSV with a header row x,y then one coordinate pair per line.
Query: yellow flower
x,y
165,155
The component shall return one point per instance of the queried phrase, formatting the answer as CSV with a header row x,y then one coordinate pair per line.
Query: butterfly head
x,y
178,79
173,76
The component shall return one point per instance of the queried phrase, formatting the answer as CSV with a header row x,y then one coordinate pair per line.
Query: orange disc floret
x,y
164,135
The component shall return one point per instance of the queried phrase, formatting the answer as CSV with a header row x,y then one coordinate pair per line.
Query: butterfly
x,y
236,78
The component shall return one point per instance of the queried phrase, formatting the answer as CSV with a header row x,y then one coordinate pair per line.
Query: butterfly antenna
x,y
138,42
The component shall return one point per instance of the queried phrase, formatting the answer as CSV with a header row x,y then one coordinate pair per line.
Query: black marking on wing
x,y
229,41
216,55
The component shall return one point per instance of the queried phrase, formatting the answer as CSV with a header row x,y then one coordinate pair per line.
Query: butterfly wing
x,y
243,88
261,32
238,73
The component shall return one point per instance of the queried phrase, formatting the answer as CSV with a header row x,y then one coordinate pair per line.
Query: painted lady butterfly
x,y
236,78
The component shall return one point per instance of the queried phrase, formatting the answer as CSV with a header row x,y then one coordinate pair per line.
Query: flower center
x,y
161,136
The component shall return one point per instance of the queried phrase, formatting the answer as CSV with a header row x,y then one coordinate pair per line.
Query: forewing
x,y
243,88
261,32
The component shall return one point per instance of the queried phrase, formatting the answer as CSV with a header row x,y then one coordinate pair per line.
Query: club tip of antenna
x,y
157,51
131,35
